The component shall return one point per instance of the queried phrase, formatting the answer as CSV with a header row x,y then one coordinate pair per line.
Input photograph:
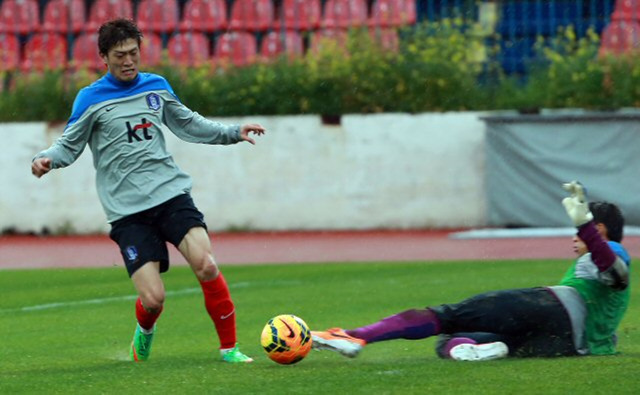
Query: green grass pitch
x,y
68,331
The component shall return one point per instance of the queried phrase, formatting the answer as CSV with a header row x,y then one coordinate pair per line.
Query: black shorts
x,y
143,236
531,321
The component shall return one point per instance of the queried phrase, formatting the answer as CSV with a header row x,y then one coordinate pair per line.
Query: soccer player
x,y
577,317
145,195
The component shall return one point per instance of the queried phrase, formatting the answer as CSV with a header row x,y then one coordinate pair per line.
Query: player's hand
x,y
40,167
254,128
576,205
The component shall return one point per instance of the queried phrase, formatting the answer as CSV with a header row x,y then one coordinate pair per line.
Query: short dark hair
x,y
116,31
610,215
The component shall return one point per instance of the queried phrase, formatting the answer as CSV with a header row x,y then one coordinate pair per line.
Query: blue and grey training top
x,y
121,122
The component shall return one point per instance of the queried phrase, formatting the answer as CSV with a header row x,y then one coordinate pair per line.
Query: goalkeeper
x,y
577,317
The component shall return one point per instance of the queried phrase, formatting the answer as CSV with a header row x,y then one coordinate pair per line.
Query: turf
x,y
68,331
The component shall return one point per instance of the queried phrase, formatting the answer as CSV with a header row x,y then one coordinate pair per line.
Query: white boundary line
x,y
186,291
55,305
49,306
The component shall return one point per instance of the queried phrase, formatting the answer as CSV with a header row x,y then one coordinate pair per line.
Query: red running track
x,y
295,247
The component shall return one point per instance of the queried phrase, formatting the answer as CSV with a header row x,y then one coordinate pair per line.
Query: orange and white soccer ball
x,y
286,339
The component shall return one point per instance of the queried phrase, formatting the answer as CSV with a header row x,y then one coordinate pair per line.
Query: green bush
x,y
439,66
571,74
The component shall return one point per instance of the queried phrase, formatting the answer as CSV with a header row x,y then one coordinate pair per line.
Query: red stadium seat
x,y
387,38
620,37
299,15
252,15
63,16
9,52
344,14
19,16
626,10
329,38
151,51
158,15
189,49
204,16
276,43
104,10
45,51
390,13
85,52
237,48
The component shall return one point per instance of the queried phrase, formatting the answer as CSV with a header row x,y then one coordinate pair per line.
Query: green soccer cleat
x,y
233,355
141,345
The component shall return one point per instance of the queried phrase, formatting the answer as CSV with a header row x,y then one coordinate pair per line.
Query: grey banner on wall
x,y
528,157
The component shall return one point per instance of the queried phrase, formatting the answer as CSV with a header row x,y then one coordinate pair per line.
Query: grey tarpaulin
x,y
528,157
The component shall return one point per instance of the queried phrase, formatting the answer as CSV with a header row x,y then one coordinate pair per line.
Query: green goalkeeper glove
x,y
576,205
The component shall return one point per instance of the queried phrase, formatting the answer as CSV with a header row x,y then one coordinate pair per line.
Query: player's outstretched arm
x,y
613,271
254,128
40,166
576,205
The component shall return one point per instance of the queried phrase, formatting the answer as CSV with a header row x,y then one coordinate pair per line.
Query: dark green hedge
x,y
439,67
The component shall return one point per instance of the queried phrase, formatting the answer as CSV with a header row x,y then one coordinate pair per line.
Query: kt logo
x,y
132,131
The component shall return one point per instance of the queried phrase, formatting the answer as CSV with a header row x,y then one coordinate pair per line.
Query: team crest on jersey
x,y
153,101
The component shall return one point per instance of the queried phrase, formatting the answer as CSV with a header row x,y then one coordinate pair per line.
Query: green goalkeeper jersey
x,y
605,305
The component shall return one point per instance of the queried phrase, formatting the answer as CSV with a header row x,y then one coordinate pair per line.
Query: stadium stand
x,y
328,38
343,14
276,43
159,16
525,18
9,52
104,10
620,37
45,51
64,16
85,52
393,13
517,53
204,16
190,49
626,10
236,47
252,15
151,50
518,24
19,16
387,38
299,15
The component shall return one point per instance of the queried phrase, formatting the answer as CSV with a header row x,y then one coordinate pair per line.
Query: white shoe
x,y
479,352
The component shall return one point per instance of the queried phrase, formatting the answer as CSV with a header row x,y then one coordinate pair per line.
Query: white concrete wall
x,y
372,171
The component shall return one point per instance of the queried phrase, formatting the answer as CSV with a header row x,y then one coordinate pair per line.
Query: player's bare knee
x,y
208,270
152,301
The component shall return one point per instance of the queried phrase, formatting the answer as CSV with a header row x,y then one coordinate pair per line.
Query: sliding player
x,y
577,317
